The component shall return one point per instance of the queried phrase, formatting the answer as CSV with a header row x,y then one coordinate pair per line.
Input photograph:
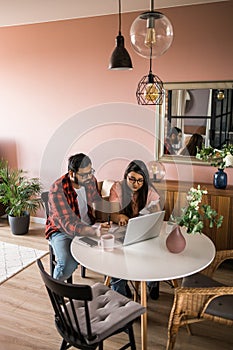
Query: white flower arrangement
x,y
194,214
228,160
219,158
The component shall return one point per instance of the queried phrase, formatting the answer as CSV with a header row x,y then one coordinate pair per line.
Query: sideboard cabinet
x,y
173,198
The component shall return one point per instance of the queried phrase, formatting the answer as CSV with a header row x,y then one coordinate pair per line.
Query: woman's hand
x,y
122,220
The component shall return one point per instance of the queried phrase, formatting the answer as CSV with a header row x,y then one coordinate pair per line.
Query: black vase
x,y
220,179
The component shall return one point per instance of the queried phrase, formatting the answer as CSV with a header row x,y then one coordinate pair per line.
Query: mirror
x,y
201,108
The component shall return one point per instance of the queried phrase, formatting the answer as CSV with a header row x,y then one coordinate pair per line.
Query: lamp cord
x,y
150,59
152,5
151,9
119,17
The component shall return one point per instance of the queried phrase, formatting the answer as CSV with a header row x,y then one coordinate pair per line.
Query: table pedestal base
x,y
144,316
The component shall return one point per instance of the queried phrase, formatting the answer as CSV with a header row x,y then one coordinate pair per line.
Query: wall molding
x,y
38,220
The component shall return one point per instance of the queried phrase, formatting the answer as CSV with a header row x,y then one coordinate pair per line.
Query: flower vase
x,y
175,241
220,179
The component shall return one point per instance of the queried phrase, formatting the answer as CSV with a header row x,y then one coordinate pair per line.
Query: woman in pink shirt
x,y
134,193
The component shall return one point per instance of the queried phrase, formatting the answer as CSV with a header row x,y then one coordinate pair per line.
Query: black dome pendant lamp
x,y
120,59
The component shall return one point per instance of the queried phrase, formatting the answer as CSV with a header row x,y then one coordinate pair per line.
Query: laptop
x,y
140,228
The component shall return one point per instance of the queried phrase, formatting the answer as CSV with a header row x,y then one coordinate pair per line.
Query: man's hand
x,y
103,228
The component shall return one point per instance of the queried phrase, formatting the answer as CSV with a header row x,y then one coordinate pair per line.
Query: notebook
x,y
140,228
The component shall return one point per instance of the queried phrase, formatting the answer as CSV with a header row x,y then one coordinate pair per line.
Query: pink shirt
x,y
116,194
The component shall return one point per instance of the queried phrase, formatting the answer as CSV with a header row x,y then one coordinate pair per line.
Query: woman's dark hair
x,y
77,161
195,141
138,167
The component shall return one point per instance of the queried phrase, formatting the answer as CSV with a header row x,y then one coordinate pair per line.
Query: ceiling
x,y
18,12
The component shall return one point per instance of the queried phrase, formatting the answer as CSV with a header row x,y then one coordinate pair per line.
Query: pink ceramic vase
x,y
175,241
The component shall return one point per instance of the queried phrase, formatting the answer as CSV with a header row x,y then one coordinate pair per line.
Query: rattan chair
x,y
87,315
200,297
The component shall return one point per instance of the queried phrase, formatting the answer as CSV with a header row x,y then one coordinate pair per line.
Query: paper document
x,y
147,210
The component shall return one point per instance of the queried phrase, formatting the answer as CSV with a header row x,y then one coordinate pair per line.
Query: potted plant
x,y
192,217
20,196
218,158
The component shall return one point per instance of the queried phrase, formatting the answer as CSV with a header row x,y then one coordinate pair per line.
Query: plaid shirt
x,y
63,206
168,149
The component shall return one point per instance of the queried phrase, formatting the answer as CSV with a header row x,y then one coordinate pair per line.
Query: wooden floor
x,y
26,317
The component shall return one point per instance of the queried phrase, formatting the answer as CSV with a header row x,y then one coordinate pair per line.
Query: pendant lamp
x,y
120,59
150,89
151,28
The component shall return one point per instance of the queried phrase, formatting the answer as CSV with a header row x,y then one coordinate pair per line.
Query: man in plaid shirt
x,y
70,212
174,138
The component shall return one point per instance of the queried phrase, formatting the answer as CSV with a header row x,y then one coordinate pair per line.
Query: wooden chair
x,y
200,297
52,258
87,315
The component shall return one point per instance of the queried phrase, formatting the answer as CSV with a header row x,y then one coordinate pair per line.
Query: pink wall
x,y
50,72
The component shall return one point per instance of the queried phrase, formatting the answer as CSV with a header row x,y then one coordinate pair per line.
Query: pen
x,y
109,217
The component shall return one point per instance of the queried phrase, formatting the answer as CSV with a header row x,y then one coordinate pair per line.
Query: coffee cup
x,y
106,242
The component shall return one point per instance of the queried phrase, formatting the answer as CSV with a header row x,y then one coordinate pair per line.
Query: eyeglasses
x,y
86,175
133,180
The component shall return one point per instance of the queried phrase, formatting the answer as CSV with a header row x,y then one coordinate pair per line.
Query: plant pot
x,y
220,179
175,241
19,224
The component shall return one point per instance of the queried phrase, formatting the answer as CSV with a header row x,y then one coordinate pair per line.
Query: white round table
x,y
147,261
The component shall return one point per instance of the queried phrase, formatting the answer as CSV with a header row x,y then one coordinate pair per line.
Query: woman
x,y
134,193
190,149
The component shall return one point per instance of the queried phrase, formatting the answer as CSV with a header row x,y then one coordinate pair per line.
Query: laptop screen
x,y
140,228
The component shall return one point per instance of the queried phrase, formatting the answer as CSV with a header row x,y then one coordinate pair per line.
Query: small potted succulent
x,y
20,195
193,216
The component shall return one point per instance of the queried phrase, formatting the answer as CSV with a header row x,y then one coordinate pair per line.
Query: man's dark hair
x,y
175,130
78,161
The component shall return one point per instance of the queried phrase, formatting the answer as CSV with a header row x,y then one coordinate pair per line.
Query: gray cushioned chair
x,y
201,297
87,315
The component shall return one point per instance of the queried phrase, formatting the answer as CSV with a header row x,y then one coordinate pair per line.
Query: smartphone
x,y
88,241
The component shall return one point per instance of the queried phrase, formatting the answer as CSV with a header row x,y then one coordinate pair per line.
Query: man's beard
x,y
81,183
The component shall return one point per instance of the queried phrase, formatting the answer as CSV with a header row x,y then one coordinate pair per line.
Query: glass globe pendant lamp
x,y
151,28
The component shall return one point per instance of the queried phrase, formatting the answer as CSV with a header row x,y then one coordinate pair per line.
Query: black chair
x,y
87,315
45,198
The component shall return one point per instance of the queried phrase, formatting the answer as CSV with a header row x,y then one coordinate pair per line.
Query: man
x,y
70,212
174,138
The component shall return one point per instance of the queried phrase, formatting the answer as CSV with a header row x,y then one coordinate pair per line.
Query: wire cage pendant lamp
x,y
150,89
120,59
